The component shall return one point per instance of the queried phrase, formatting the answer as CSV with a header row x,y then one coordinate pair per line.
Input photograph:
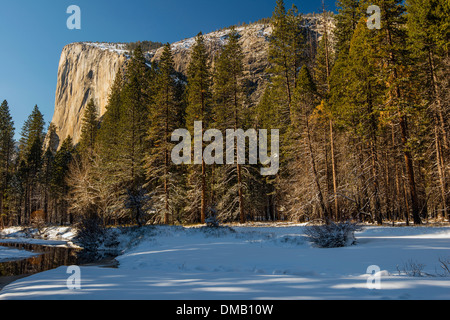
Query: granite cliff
x,y
87,70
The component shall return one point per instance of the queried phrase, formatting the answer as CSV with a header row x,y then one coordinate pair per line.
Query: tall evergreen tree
x,y
32,130
267,117
134,118
134,122
392,40
285,52
163,114
425,29
230,113
365,92
59,186
324,63
52,139
349,14
110,131
305,102
6,156
89,129
286,56
199,105
46,179
30,152
119,155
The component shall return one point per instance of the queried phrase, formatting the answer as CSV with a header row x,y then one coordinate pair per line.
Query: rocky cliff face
x,y
255,43
87,70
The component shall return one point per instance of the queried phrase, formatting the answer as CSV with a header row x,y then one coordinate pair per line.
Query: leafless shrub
x,y
412,268
91,186
445,266
415,269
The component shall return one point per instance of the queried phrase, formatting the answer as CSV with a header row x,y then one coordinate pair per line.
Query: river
x,y
48,257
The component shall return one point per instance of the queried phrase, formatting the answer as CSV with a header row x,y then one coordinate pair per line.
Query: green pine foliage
x,y
134,120
6,158
164,114
199,105
285,55
110,132
427,25
350,13
363,117
122,139
32,131
230,112
89,129
199,88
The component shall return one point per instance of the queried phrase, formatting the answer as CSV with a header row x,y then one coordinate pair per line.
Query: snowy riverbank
x,y
259,262
53,236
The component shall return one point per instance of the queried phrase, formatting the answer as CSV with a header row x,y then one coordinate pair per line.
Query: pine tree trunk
x,y
441,171
439,127
212,184
362,178
1,210
238,166
203,204
440,117
410,172
288,85
315,175
404,139
203,208
373,151
166,162
333,157
388,193
378,215
5,183
406,203
333,166
241,202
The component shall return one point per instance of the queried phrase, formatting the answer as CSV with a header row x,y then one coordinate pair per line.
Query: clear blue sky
x,y
33,33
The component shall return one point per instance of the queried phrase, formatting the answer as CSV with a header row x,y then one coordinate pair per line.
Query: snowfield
x,y
257,262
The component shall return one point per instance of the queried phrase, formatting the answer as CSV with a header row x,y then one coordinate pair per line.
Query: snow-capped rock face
x,y
87,70
255,43
253,38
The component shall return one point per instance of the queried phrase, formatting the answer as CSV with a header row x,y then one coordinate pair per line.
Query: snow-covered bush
x,y
333,235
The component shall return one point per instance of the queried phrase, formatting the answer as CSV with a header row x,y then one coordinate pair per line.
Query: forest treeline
x,y
363,126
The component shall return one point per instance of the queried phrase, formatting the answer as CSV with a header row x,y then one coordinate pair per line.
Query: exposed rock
x,y
255,43
87,70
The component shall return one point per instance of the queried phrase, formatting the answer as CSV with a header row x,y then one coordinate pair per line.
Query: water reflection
x,y
48,258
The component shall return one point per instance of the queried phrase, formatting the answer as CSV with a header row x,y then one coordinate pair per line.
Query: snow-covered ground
x,y
256,262
19,234
119,48
54,236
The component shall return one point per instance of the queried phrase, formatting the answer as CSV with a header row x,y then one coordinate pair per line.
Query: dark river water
x,y
47,258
